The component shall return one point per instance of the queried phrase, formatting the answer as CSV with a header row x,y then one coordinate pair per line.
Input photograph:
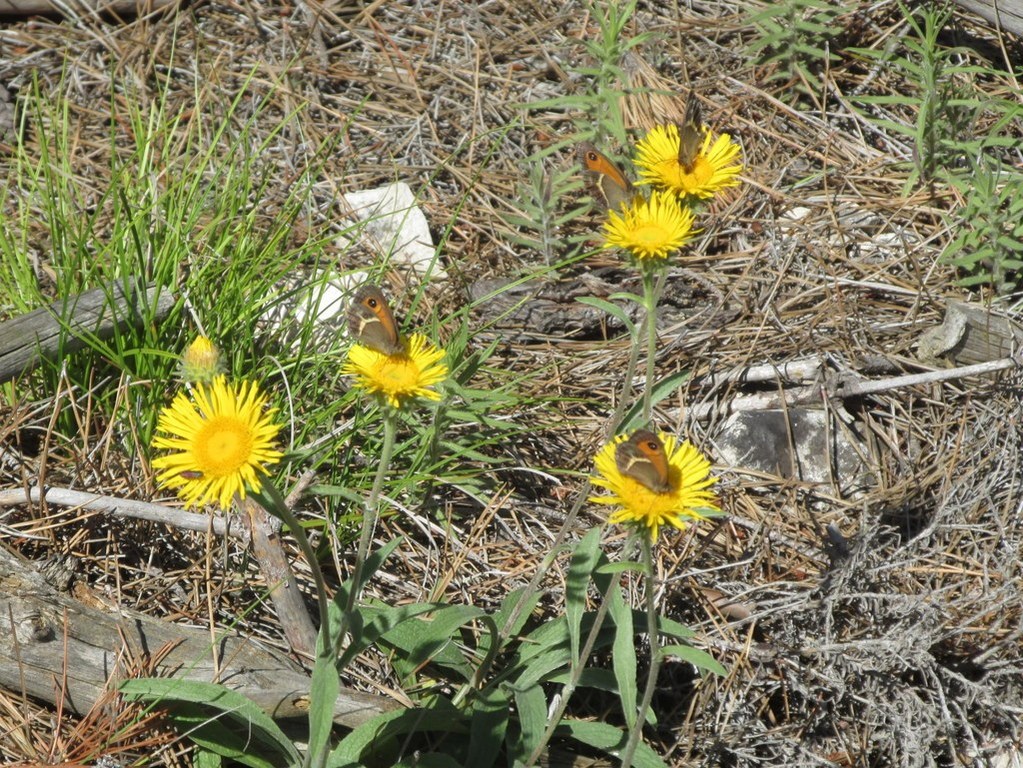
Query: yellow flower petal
x,y
401,377
715,167
689,499
650,229
221,442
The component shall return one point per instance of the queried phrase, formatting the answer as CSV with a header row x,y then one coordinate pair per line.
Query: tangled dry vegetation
x,y
873,622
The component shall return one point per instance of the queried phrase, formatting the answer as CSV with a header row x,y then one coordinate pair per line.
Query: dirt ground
x,y
864,592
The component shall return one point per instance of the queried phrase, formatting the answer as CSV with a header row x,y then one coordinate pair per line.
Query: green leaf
x,y
531,706
621,566
699,659
609,740
600,679
671,628
612,309
662,390
430,760
623,658
433,639
203,758
584,560
369,623
379,737
323,693
487,727
504,613
218,719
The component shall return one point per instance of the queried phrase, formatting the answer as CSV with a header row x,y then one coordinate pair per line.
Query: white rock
x,y
397,227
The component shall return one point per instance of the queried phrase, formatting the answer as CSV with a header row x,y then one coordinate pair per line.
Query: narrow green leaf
x,y
698,658
434,639
487,727
620,567
623,658
377,738
204,758
584,560
221,720
612,309
531,705
609,740
503,614
323,692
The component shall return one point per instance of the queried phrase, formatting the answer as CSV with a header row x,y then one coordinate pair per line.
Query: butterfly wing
x,y
611,187
690,134
371,322
643,458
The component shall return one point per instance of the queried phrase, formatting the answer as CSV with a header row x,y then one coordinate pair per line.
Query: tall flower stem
x,y
554,717
653,633
371,511
630,375
653,285
584,492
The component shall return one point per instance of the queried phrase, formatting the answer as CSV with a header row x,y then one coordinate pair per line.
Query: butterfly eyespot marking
x,y
371,322
643,458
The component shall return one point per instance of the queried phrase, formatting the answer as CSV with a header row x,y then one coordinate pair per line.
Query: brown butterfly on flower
x,y
371,322
608,183
642,457
690,134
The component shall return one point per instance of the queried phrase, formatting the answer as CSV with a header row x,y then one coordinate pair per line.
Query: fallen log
x,y
73,9
54,647
67,325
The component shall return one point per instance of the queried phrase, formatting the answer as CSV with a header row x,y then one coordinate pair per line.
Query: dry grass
x,y
903,651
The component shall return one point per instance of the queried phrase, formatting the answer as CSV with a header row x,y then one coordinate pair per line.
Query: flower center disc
x,y
222,446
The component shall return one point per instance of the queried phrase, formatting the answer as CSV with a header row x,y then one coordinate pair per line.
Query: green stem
x,y
370,512
580,499
554,719
651,292
653,285
653,633
630,375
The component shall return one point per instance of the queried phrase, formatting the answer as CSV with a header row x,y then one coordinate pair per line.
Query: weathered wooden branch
x,y
73,9
276,569
52,645
66,325
121,508
1005,15
842,386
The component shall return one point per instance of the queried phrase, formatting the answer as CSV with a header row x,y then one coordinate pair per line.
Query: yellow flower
x,y
650,229
399,377
221,441
715,166
201,361
688,497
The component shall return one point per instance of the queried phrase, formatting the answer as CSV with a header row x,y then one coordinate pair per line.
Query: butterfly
x,y
690,134
614,190
643,458
371,322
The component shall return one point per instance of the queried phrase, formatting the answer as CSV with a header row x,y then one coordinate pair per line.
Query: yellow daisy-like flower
x,y
221,442
400,377
201,361
688,497
715,166
650,229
